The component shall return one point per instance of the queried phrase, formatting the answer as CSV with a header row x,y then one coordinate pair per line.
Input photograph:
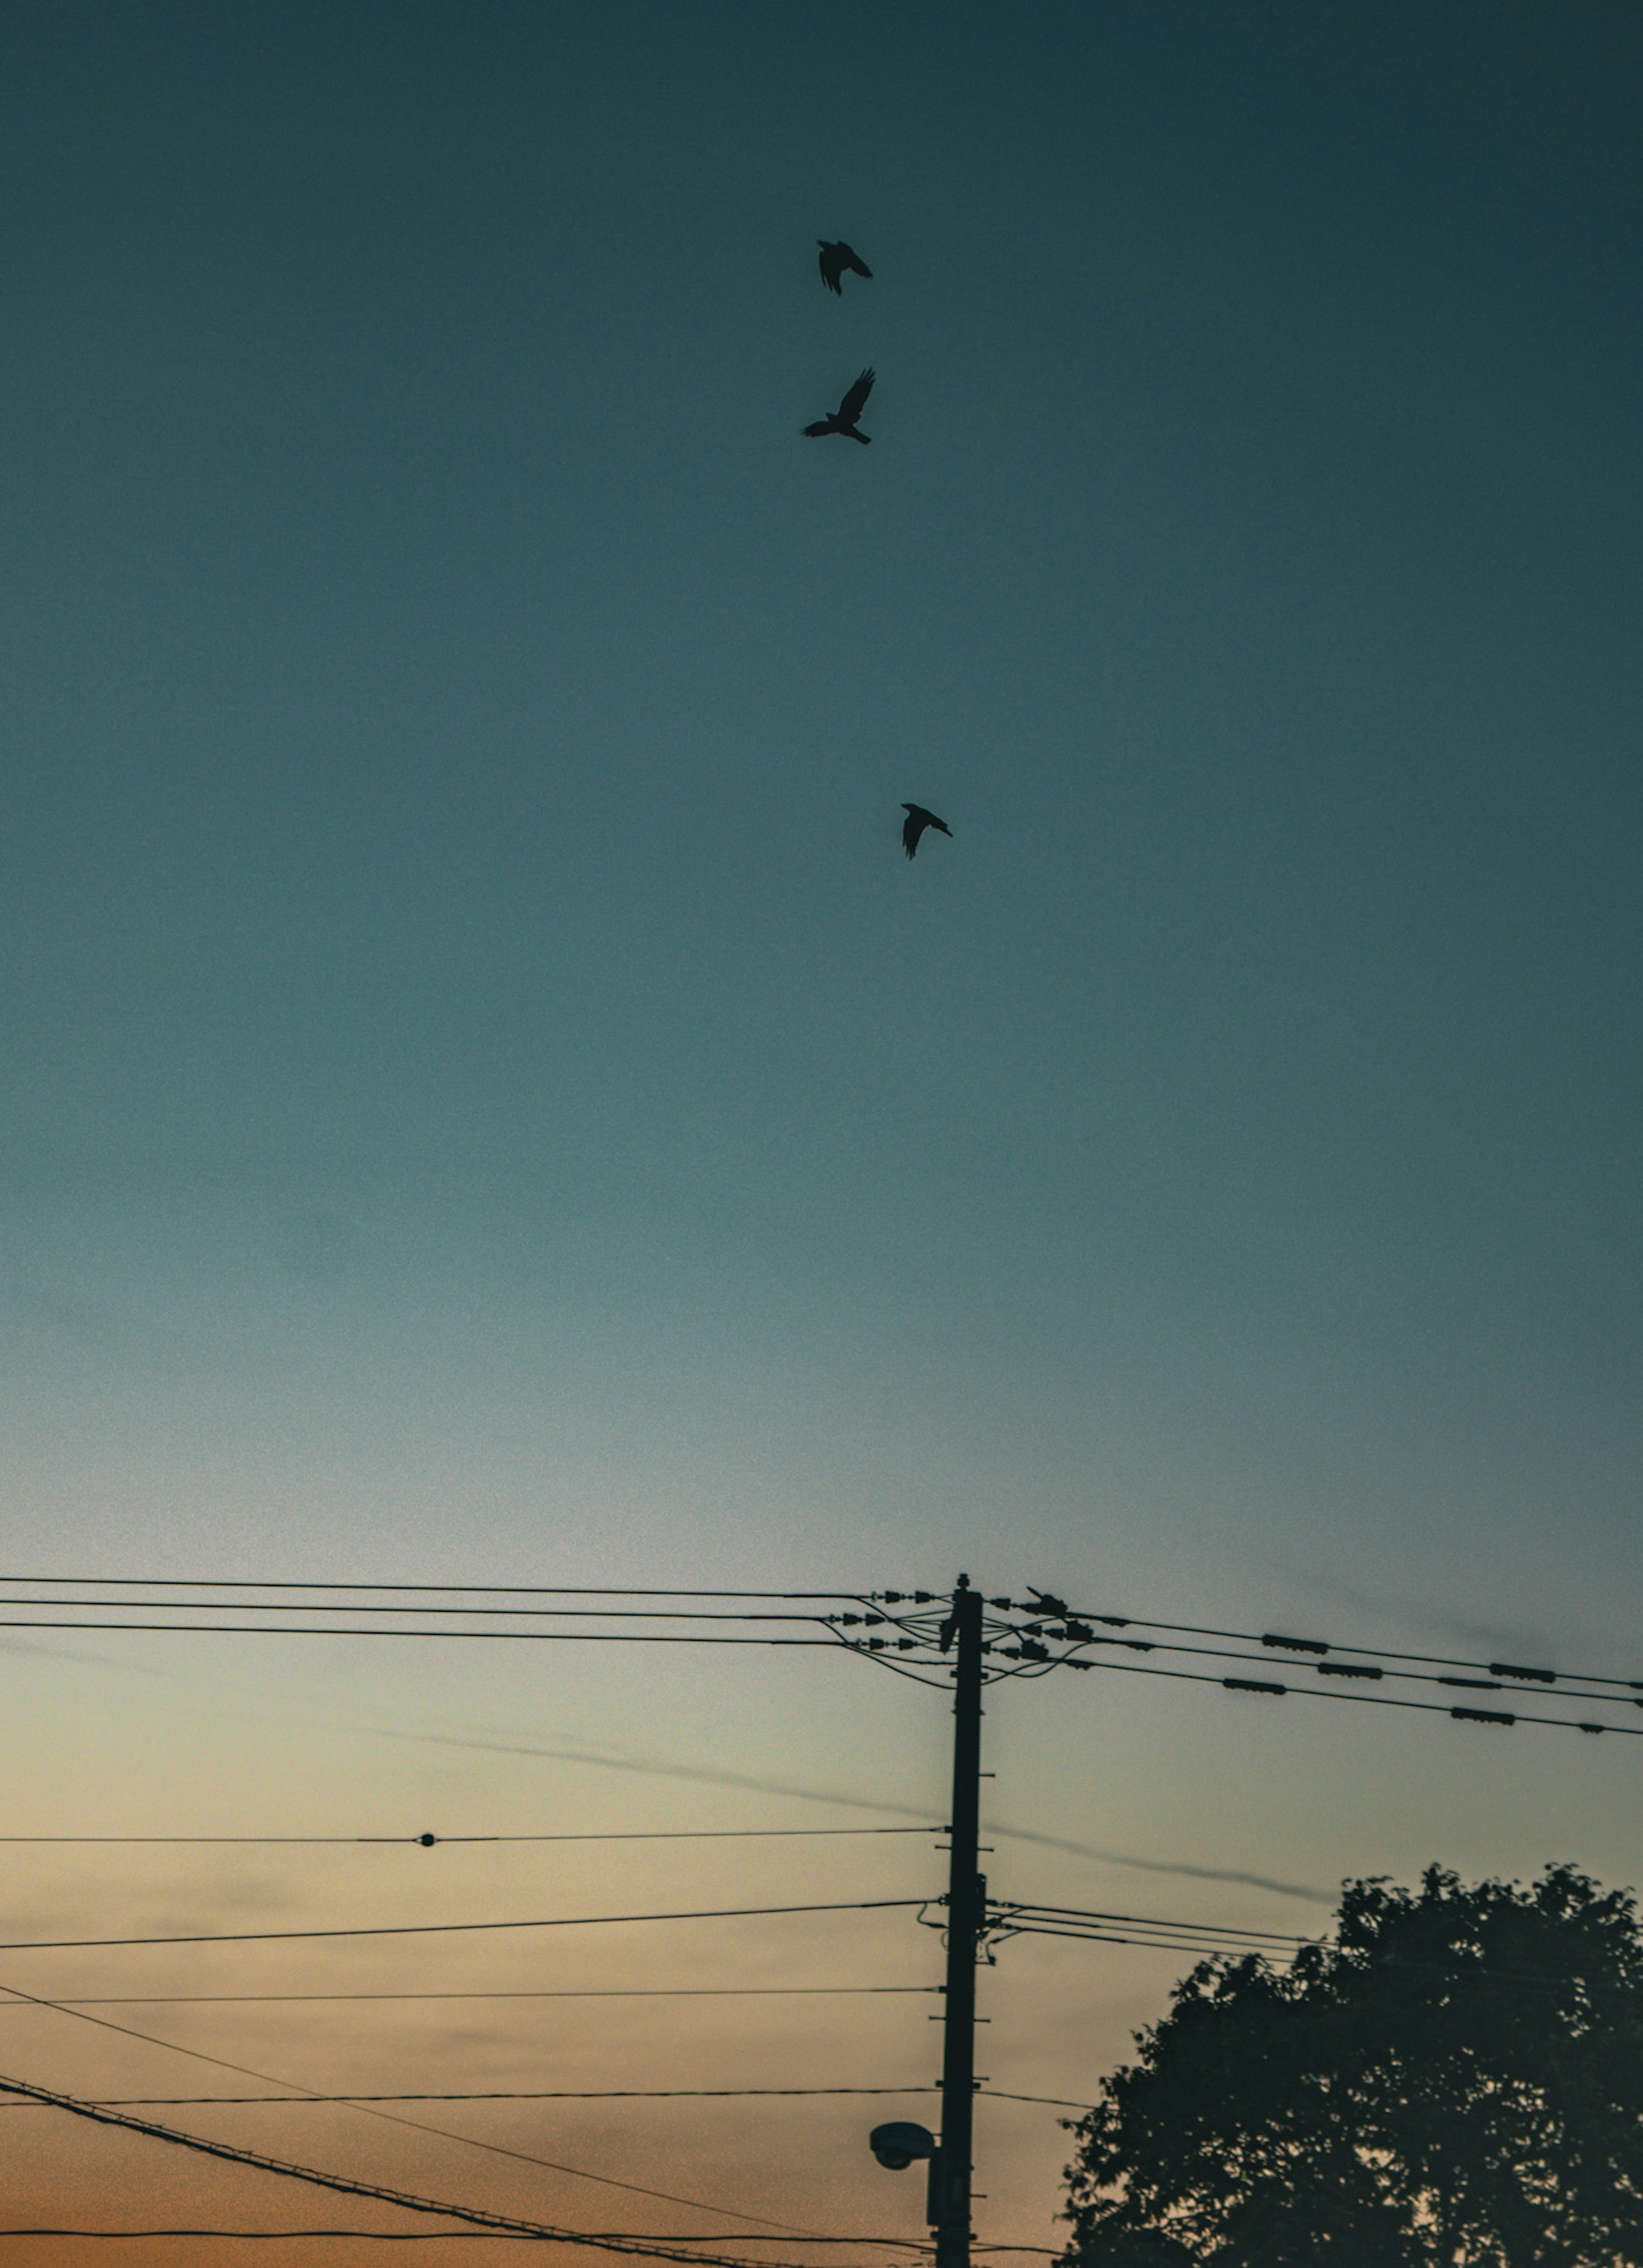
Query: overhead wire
x,y
494,2236
1276,1641
391,2117
1006,1909
512,2094
1200,1949
1051,1618
1509,1672
1328,1669
351,1607
448,1928
288,2235
648,1767
443,1590
649,2249
1232,1941
454,2236
1276,1689
562,1992
501,1637
427,1842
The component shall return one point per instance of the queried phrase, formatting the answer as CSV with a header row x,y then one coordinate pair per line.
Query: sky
x,y
485,1100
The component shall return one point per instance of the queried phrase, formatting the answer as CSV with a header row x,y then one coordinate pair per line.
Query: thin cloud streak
x,y
715,1778
69,1653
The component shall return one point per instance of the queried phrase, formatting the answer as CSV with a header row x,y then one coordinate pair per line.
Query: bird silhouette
x,y
836,258
915,823
843,418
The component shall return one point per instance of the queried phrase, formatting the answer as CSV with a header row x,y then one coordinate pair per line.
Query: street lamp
x,y
897,2143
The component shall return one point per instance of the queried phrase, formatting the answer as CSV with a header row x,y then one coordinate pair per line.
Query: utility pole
x,y
967,1918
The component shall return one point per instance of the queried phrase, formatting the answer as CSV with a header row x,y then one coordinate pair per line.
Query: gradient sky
x,y
485,1099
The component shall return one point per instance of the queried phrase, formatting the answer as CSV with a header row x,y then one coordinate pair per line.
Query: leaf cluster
x,y
1458,2079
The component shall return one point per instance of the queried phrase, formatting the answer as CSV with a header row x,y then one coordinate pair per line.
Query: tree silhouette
x,y
1456,2081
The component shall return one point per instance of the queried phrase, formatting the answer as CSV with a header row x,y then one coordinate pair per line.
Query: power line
x,y
575,1992
440,1590
649,2249
352,1607
510,2095
427,1841
1048,1608
1274,1689
1050,1618
474,2236
833,1796
1008,1907
1354,1669
504,1638
395,2118
1056,2102
1045,1608
1053,1619
448,1928
1197,1939
1194,1949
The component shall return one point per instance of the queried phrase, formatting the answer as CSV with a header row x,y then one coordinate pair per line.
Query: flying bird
x,y
915,823
836,258
843,418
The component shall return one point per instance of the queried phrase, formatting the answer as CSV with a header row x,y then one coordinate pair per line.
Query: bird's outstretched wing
x,y
821,425
915,823
856,401
835,259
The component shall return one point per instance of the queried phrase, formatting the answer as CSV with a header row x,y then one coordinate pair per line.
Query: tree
x,y
1456,2081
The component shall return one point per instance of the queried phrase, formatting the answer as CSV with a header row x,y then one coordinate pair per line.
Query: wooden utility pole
x,y
967,1918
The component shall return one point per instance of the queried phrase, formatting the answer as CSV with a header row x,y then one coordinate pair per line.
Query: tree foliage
x,y
1456,2081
